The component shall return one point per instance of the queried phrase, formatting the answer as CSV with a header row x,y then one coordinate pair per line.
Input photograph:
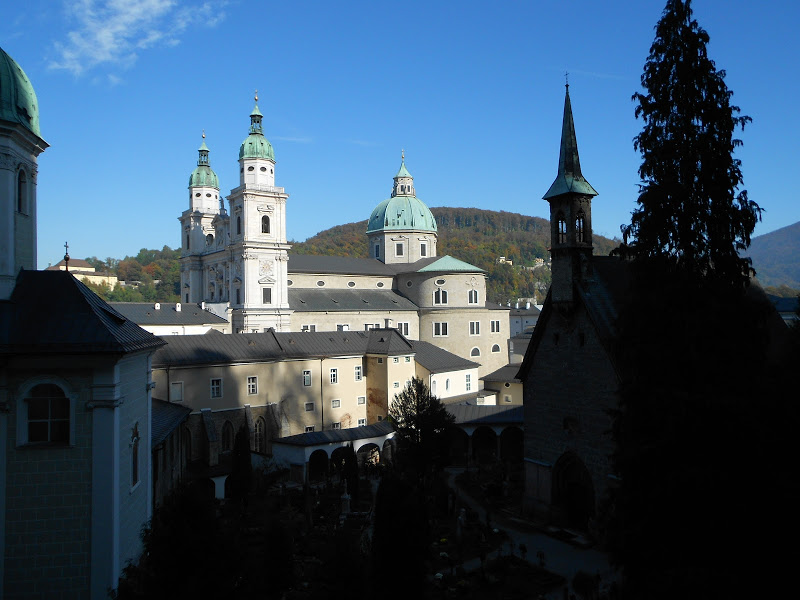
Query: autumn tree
x,y
691,213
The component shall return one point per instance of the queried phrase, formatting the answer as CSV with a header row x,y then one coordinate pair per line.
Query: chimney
x,y
527,306
178,307
157,306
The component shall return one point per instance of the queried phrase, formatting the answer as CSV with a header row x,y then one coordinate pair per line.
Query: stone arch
x,y
317,465
511,444
368,454
228,436
457,445
337,459
573,491
484,444
388,451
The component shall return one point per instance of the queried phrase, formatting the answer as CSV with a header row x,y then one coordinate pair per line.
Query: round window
x,y
380,284
320,283
208,194
351,284
507,384
409,284
197,195
440,282
289,282
263,169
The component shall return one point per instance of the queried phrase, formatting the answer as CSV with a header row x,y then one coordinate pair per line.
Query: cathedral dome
x,y
18,102
401,213
203,175
403,210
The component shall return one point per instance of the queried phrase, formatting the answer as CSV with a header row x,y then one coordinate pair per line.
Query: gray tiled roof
x,y
167,417
337,265
271,346
333,300
437,360
333,436
507,373
145,313
494,415
52,312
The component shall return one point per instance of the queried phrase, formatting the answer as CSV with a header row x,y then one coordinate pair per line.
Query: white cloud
x,y
114,32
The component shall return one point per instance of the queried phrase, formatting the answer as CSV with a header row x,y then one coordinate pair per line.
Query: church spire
x,y
403,181
202,158
255,119
569,178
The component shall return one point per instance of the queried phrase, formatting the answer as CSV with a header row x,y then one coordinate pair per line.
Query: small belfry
x,y
570,198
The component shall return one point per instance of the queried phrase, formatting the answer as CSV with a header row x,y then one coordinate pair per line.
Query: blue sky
x,y
472,91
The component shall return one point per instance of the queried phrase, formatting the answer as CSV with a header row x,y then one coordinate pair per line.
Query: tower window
x,y
266,295
562,229
238,225
399,249
580,227
423,249
377,251
48,415
22,193
265,224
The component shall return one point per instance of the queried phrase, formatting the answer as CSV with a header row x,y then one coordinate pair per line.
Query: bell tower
x,y
570,198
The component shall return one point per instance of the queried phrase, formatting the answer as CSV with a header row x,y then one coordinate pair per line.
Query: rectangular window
x,y
396,384
334,376
439,329
238,296
399,249
396,360
362,399
252,385
344,327
216,388
380,361
469,382
495,326
309,429
176,391
408,359
308,328
307,378
337,425
336,403
377,251
358,372
474,327
266,295
403,328
362,422
310,405
423,249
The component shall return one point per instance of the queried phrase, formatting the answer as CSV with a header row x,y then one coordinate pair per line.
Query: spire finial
x,y
566,79
204,134
402,154
66,256
256,95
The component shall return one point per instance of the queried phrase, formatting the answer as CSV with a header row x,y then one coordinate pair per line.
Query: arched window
x,y
496,348
265,224
227,437
440,296
447,384
22,193
238,225
48,415
433,387
475,352
261,440
561,232
580,227
472,297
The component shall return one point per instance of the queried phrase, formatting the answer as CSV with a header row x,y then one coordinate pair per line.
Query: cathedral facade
x,y
235,260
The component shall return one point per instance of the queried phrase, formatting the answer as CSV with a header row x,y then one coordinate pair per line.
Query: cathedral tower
x,y
570,198
259,295
402,229
20,145
201,233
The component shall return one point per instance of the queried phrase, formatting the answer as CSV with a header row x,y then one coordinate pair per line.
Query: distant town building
x,y
82,270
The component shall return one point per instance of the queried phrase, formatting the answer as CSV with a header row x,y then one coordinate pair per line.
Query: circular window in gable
x,y
440,282
409,284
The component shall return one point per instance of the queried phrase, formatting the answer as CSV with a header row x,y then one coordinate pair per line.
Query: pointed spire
x,y
202,158
255,119
569,178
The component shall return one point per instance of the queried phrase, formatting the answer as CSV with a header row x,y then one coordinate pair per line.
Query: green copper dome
x,y
256,145
203,175
401,213
18,102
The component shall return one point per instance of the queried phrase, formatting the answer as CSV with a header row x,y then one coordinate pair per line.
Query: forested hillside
x,y
776,257
475,236
157,275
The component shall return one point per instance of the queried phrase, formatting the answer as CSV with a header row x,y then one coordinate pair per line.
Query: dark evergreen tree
x,y
241,477
691,213
420,420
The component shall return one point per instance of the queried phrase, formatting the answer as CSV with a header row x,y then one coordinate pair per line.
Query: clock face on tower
x,y
265,267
